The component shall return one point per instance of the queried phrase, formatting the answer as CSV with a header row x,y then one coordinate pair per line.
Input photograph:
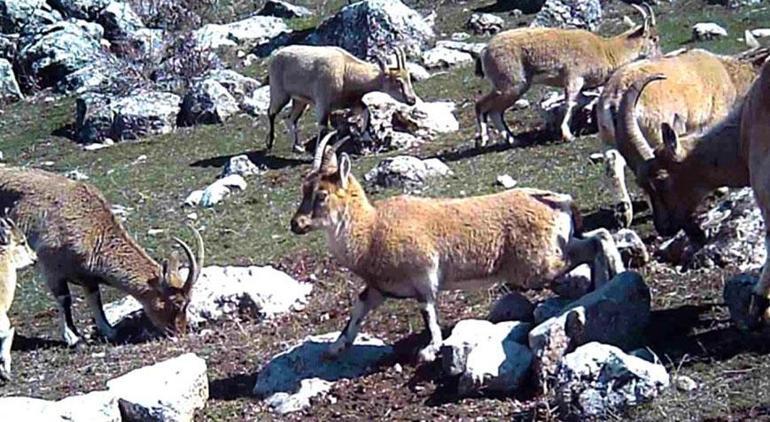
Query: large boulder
x,y
227,292
291,378
584,14
735,233
137,115
28,15
444,58
485,23
599,380
243,35
512,307
617,313
472,48
9,87
99,406
80,9
705,31
207,102
65,56
406,172
169,391
282,9
119,20
487,356
373,28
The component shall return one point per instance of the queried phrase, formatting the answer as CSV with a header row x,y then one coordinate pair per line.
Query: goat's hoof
x,y
427,354
758,312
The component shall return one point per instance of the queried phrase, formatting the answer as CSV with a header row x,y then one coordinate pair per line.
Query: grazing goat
x,y
330,78
78,240
683,170
572,59
707,87
410,247
15,254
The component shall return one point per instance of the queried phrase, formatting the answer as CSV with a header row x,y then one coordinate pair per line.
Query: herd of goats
x,y
686,122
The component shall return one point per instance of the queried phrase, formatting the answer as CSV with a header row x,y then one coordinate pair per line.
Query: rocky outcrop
x,y
207,102
373,28
485,23
282,9
585,14
26,15
9,87
119,20
241,35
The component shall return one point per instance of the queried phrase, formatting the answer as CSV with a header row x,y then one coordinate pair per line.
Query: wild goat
x,y
78,240
566,58
707,86
330,78
409,247
15,254
683,170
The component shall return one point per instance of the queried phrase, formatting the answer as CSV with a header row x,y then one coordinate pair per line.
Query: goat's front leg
x,y
368,299
94,299
6,341
571,93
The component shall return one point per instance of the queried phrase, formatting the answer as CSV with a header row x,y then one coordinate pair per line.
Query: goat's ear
x,y
344,170
670,139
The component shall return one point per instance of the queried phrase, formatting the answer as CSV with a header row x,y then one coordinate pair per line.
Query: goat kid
x,y
330,78
15,254
78,240
572,59
410,247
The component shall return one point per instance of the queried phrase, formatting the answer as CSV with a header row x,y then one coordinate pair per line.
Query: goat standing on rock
x,y
572,59
409,247
78,240
330,78
15,254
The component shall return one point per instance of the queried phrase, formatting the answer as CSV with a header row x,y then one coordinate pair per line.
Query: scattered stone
x,y
137,115
227,292
258,102
584,14
549,308
171,390
372,28
484,24
737,4
598,380
737,295
632,250
460,36
735,234
705,31
239,86
280,381
99,406
216,192
583,119
685,383
487,356
119,20
616,313
9,87
406,172
240,164
444,58
244,34
76,175
506,181
761,32
80,9
521,104
417,72
282,9
474,49
512,307
207,102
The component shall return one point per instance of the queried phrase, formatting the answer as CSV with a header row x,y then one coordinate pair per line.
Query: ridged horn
x,y
628,127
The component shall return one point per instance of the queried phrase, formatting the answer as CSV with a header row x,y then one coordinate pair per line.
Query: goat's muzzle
x,y
301,224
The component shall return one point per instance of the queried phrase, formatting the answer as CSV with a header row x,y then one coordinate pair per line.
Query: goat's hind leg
x,y
759,308
368,299
298,107
94,299
60,289
6,341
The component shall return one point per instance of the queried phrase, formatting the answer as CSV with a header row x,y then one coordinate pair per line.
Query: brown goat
x,y
572,59
682,171
78,240
330,78
410,247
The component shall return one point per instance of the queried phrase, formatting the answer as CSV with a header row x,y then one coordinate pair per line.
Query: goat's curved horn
x,y
401,58
319,149
652,13
195,263
640,10
627,126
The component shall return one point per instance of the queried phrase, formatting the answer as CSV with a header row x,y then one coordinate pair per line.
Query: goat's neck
x,y
120,262
620,50
351,237
362,78
716,159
